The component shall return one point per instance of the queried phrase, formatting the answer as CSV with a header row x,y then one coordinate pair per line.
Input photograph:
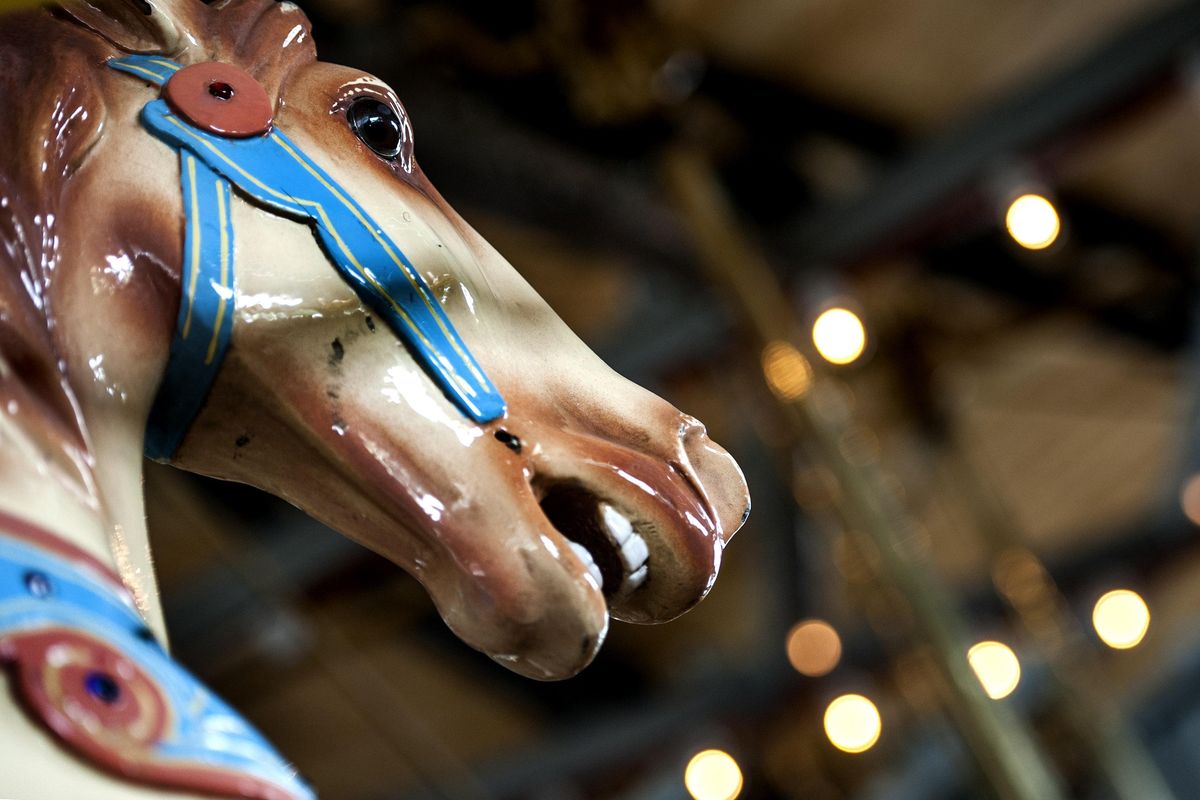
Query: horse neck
x,y
70,462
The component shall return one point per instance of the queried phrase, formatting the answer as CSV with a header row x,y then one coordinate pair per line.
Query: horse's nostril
x,y
716,479
221,90
508,440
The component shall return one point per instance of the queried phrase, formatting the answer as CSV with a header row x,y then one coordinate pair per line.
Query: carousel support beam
x,y
1080,93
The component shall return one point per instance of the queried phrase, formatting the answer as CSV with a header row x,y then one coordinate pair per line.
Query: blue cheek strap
x,y
275,172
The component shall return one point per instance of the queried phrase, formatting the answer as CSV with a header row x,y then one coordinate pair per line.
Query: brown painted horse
x,y
590,496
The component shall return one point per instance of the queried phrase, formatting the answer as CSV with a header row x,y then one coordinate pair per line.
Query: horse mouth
x,y
604,539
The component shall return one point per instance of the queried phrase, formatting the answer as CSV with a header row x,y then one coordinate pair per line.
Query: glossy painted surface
x,y
512,526
87,666
205,320
279,175
217,98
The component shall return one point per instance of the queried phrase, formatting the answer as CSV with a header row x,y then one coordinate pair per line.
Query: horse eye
x,y
378,126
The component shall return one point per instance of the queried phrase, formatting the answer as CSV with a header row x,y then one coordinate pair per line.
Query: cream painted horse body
x,y
590,496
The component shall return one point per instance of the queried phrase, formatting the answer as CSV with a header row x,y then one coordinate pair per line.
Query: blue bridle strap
x,y
205,320
275,172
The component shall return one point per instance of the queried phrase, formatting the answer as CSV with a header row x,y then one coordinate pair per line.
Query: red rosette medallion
x,y
107,709
220,98
89,694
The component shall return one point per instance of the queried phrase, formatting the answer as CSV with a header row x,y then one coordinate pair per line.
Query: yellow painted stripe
x,y
148,73
328,223
233,164
319,209
195,220
223,219
162,62
404,269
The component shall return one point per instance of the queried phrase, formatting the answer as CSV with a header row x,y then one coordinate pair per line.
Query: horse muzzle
x,y
649,528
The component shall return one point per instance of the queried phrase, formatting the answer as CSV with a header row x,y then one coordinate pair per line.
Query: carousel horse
x,y
220,253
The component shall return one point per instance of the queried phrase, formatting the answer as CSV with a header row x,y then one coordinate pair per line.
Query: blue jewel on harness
x,y
275,172
102,686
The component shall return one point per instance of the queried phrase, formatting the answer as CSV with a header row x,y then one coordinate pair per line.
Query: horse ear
x,y
138,26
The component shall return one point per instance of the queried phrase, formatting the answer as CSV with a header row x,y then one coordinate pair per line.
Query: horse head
x,y
574,494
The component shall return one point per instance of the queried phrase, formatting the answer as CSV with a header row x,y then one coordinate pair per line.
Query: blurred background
x,y
928,269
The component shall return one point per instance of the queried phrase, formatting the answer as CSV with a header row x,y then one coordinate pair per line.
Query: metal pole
x,y
1117,753
1002,743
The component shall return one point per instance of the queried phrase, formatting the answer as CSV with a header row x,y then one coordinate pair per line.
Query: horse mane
x,y
52,80
51,122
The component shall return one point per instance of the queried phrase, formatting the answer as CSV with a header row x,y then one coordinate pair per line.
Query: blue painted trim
x,y
277,173
156,69
202,729
205,321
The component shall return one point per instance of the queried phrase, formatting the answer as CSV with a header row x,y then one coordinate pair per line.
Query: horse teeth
x,y
634,553
631,548
617,525
586,557
636,578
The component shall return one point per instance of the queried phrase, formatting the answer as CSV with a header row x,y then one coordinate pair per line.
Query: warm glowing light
x,y
713,775
1033,222
839,336
813,647
1189,499
1121,619
997,668
787,371
852,723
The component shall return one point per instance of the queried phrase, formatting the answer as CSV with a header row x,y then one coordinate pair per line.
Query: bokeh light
x,y
787,371
852,723
1189,499
997,668
839,336
1033,222
1121,618
813,648
713,775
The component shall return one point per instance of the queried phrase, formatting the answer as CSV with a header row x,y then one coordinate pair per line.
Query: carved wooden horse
x,y
220,252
